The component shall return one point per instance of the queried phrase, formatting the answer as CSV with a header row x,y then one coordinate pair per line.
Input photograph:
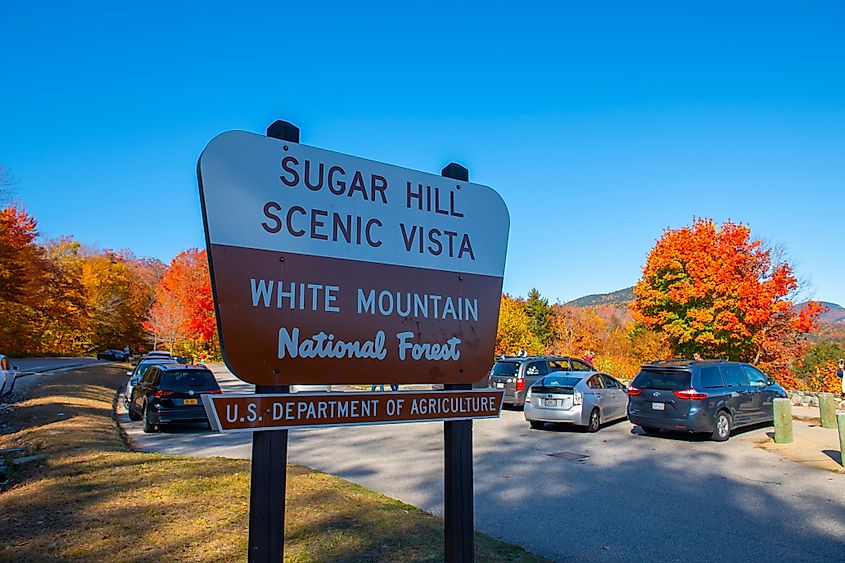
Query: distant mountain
x,y
621,297
835,314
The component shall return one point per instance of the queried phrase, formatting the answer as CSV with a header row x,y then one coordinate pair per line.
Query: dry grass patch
x,y
95,500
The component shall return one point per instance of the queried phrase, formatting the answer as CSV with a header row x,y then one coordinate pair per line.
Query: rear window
x,y
568,381
666,380
505,368
187,380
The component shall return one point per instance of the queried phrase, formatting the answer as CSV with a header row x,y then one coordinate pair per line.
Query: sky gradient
x,y
600,125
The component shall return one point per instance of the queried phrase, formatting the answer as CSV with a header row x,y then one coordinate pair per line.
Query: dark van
x,y
711,396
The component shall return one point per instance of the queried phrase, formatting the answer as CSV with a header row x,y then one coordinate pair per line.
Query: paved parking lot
x,y
633,497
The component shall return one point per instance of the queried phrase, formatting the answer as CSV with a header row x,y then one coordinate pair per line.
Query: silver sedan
x,y
584,399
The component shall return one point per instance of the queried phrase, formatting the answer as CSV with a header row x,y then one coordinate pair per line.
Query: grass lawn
x,y
96,500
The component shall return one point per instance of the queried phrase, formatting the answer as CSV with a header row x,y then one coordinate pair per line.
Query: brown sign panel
x,y
246,413
328,268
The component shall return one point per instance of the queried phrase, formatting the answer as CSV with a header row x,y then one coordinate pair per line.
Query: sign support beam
x,y
457,457
268,481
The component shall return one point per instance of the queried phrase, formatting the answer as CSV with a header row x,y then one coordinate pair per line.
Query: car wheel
x,y
722,427
651,430
149,425
595,421
133,416
536,424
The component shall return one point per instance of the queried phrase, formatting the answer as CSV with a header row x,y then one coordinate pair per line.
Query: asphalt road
x,y
40,365
635,497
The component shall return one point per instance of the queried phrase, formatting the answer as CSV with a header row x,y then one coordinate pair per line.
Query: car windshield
x,y
188,380
565,381
663,380
505,368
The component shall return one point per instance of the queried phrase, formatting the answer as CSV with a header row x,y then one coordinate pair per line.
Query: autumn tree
x,y
22,281
514,331
719,292
183,312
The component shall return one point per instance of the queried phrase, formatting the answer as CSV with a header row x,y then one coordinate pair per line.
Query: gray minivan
x,y
712,396
515,374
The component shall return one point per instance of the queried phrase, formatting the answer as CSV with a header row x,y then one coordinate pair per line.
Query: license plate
x,y
549,402
500,385
658,406
189,402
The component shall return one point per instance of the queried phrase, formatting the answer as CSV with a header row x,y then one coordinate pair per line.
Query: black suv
x,y
171,393
711,396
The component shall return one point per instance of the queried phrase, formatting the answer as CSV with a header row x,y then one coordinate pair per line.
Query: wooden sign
x,y
329,268
247,413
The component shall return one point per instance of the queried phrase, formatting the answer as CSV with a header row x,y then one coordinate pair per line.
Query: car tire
x,y
651,430
537,425
149,426
595,421
721,427
133,416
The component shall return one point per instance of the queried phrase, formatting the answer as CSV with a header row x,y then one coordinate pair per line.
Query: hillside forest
x,y
707,290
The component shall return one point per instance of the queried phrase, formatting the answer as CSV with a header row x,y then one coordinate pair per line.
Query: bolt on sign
x,y
329,268
247,413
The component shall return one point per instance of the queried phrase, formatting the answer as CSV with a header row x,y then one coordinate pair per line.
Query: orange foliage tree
x,y
514,332
719,292
183,313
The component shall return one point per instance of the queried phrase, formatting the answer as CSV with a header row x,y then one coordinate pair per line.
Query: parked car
x,y
310,388
157,354
171,393
710,396
516,374
113,355
136,375
585,399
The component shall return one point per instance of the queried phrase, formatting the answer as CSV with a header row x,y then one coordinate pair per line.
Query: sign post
x,y
332,269
457,461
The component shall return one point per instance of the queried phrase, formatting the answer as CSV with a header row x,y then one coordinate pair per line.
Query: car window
x,y
594,382
755,376
663,380
578,365
536,368
558,365
711,377
506,368
559,380
734,376
149,375
188,380
609,382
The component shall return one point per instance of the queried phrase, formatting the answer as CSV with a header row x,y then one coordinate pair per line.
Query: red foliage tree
x,y
719,292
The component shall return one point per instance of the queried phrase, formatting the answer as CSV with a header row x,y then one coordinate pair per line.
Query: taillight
x,y
528,397
215,392
633,391
162,393
520,383
690,395
576,398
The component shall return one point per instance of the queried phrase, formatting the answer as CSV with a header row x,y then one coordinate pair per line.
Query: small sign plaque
x,y
247,413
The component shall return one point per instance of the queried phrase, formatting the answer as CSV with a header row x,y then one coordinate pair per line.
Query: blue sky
x,y
600,123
